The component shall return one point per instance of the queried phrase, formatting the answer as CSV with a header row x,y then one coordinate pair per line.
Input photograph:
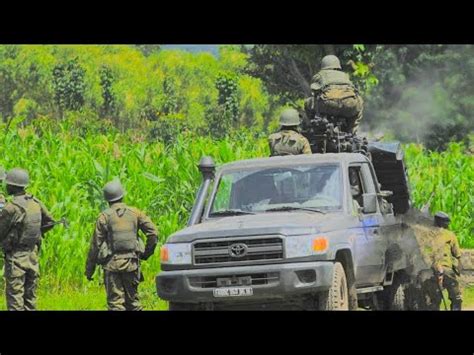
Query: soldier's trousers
x,y
122,290
451,284
21,281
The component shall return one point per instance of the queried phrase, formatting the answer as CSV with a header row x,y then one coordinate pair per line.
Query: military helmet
x,y
442,219
330,62
113,191
17,177
3,173
290,117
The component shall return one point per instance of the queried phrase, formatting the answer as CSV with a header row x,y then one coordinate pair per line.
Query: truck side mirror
x,y
370,202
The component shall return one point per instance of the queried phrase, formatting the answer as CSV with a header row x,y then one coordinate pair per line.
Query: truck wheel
x,y
337,297
173,306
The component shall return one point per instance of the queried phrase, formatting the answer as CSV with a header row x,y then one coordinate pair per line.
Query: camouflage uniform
x,y
288,142
450,265
334,96
117,247
22,223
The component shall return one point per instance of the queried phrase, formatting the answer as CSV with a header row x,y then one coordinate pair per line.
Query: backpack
x,y
28,225
122,225
338,97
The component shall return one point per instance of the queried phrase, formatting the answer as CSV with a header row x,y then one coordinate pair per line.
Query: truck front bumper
x,y
268,282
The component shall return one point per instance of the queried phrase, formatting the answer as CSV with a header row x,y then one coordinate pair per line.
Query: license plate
x,y
233,292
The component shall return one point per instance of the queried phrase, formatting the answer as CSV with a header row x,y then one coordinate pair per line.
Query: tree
x,y
287,70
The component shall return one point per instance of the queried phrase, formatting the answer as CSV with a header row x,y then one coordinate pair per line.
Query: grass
x,y
89,297
92,298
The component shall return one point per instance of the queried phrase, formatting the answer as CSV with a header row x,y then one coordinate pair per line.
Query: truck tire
x,y
337,297
174,306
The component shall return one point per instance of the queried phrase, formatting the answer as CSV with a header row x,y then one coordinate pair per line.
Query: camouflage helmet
x,y
113,191
442,219
17,177
330,62
3,173
290,117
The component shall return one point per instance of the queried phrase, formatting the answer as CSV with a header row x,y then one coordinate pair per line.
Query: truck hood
x,y
285,223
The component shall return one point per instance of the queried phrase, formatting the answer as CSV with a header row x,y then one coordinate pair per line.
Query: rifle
x,y
440,290
62,221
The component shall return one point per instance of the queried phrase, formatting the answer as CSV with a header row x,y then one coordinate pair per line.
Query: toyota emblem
x,y
238,250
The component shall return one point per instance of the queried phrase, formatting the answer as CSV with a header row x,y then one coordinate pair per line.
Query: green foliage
x,y
450,176
108,96
130,85
424,93
68,171
69,86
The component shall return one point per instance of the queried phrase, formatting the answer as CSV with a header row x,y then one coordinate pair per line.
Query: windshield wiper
x,y
230,213
291,208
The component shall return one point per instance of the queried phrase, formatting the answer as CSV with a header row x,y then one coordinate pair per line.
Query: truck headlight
x,y
176,254
305,245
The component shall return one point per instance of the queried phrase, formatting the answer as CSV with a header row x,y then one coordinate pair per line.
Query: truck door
x,y
371,247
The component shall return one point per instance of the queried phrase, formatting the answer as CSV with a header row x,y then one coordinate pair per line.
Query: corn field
x,y
67,172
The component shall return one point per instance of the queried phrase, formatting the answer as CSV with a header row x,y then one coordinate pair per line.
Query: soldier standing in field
x,y
334,96
288,141
23,221
448,269
117,246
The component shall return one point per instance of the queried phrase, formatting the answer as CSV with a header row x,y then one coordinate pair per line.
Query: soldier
x,y
288,141
23,221
448,269
334,96
117,246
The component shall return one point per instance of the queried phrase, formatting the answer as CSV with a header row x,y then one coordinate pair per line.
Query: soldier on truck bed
x,y
288,141
334,96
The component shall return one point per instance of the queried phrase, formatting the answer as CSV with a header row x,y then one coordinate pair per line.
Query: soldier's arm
x,y
47,219
316,83
148,228
306,146
6,221
98,238
455,249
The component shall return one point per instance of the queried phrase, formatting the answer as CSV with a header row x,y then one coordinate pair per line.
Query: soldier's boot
x,y
115,291
14,293
131,280
456,305
31,283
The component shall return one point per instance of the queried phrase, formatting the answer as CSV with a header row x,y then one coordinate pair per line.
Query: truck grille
x,y
258,249
234,280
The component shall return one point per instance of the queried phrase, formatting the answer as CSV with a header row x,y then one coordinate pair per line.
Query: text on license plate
x,y
233,292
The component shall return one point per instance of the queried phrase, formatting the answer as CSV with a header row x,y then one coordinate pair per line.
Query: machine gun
x,y
327,136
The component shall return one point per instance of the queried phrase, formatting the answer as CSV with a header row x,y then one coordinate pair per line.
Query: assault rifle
x,y
62,221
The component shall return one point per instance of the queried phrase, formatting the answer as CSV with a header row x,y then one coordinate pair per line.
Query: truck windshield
x,y
276,189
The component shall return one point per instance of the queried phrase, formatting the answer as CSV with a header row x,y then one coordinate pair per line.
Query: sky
x,y
213,48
